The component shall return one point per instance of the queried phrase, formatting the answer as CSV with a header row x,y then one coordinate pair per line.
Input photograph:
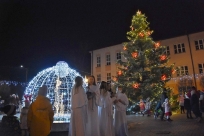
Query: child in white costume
x,y
78,119
93,103
167,108
120,121
106,112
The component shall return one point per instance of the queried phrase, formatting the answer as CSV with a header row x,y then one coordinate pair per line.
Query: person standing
x,y
9,126
163,97
181,103
40,114
167,107
187,106
195,105
147,107
93,103
78,109
23,119
142,106
106,112
120,121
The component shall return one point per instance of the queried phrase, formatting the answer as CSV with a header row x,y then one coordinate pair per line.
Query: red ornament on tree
x,y
149,33
141,34
124,48
119,72
162,57
115,79
135,85
134,54
157,45
173,71
163,77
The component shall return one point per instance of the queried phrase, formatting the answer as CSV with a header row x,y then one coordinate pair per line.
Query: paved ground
x,y
148,126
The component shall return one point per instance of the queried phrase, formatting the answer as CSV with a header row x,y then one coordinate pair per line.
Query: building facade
x,y
187,52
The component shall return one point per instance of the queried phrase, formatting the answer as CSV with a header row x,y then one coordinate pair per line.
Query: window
x,y
98,78
167,50
108,76
182,70
201,68
118,56
108,59
98,59
179,48
199,44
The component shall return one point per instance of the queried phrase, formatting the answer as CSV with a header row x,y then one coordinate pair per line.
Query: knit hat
x,y
43,90
9,109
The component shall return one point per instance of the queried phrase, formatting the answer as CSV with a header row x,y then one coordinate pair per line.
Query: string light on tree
x,y
124,48
119,72
173,71
141,34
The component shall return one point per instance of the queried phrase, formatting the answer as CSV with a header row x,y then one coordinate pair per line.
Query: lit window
x,y
98,59
199,44
167,50
182,70
201,68
118,56
98,78
108,62
108,76
179,48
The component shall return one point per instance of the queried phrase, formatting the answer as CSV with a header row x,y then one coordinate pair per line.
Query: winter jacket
x,y
187,104
9,126
23,118
40,117
195,102
163,97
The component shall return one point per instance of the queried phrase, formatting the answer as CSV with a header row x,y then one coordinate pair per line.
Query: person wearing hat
x,y
9,125
40,114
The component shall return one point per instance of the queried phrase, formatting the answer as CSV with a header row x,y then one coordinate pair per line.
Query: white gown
x,y
106,115
93,119
78,119
120,121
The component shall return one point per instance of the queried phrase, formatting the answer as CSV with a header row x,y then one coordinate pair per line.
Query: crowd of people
x,y
95,111
92,112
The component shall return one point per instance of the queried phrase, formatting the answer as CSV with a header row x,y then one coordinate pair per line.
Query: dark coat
x,y
195,103
163,97
187,104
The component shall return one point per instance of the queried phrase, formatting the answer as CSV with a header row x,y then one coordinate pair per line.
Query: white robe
x,y
78,119
93,119
120,121
106,115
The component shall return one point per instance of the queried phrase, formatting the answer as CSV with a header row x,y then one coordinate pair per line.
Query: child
x,y
142,106
23,119
147,107
167,108
9,125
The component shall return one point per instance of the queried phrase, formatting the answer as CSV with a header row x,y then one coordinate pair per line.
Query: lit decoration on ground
x,y
162,57
135,85
134,54
163,77
157,45
59,79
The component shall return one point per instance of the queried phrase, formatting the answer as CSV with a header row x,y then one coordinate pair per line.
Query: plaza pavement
x,y
148,126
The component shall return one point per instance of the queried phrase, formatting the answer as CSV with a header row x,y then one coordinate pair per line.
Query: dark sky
x,y
39,33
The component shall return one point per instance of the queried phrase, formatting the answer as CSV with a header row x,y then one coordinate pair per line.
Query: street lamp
x,y
26,72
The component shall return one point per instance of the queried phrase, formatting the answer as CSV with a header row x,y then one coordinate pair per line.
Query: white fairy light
x,y
59,80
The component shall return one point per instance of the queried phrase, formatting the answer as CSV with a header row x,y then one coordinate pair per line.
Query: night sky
x,y
39,33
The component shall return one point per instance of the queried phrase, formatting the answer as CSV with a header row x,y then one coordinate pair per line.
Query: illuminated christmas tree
x,y
146,69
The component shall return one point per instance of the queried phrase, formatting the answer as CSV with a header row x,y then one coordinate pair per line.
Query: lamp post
x,y
26,76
